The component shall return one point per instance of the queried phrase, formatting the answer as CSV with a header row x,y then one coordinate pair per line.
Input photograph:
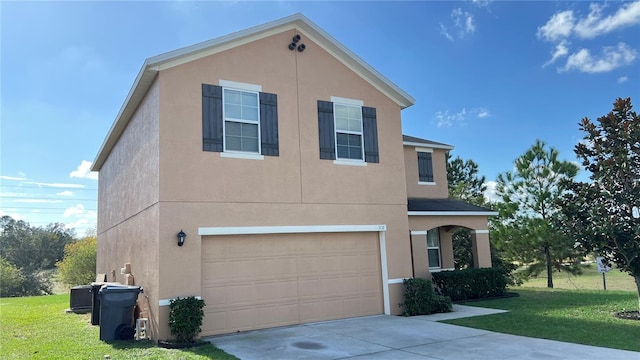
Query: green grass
x,y
38,328
576,316
590,279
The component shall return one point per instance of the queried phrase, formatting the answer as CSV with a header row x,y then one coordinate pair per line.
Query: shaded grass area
x,y
577,316
590,279
38,328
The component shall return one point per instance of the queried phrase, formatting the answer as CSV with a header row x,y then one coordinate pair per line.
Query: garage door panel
x,y
259,281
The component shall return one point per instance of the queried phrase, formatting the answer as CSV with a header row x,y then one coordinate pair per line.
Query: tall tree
x,y
526,229
602,215
467,185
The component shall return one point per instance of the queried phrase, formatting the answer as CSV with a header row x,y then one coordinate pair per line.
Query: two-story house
x,y
280,154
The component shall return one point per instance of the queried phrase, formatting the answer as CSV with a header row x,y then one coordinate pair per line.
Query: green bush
x,y
10,279
185,318
15,281
420,299
78,267
472,283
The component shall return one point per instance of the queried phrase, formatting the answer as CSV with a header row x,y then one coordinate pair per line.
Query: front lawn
x,y
590,279
38,328
576,316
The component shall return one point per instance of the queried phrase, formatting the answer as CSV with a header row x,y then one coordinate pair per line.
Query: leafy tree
x,y
32,248
602,215
79,264
526,229
467,185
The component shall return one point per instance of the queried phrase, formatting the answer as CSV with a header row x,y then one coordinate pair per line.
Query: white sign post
x,y
603,267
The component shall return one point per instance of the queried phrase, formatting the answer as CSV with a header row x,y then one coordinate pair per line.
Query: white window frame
x,y
425,150
434,248
247,88
339,101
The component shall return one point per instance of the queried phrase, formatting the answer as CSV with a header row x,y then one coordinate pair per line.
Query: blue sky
x,y
489,77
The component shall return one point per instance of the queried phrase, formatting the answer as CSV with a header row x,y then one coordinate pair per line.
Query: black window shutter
x,y
325,130
269,124
370,132
212,118
425,167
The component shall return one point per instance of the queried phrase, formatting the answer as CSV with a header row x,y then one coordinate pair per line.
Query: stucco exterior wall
x,y
414,189
128,211
203,189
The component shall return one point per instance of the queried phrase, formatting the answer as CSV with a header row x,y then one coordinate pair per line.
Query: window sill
x,y
426,183
440,269
350,162
240,155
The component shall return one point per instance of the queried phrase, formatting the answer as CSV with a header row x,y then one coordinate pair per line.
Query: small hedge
x,y
420,299
185,318
468,284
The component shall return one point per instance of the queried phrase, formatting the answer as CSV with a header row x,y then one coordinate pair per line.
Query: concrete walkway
x,y
395,337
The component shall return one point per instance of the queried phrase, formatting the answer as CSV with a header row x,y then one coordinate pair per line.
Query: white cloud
x,y
481,3
622,79
84,171
13,178
561,50
462,23
566,24
483,113
559,26
446,119
490,192
75,210
65,193
612,57
445,32
56,185
595,25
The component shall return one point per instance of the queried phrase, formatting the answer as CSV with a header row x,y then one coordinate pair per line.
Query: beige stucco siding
x,y
193,188
128,210
414,189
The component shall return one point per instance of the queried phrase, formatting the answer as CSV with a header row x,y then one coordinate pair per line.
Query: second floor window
x,y
348,120
347,131
425,167
241,121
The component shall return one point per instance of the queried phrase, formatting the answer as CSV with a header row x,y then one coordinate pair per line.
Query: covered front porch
x,y
432,223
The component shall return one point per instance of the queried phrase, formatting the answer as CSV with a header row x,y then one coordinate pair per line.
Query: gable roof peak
x,y
297,21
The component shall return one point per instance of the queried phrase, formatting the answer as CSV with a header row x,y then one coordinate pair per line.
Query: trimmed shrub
x,y
185,318
472,283
420,299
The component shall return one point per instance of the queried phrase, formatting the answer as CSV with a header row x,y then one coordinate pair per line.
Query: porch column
x,y
419,253
480,248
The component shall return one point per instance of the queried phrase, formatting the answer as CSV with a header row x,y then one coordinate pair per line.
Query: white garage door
x,y
260,281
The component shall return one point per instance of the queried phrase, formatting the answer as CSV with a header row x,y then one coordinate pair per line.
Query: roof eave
x,y
137,92
452,213
425,145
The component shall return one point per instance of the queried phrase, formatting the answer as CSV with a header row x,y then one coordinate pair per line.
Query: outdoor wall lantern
x,y
181,236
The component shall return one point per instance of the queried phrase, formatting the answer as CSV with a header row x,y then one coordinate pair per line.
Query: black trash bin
x,y
95,303
80,299
116,311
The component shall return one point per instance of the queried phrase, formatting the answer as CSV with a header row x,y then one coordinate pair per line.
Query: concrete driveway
x,y
396,337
